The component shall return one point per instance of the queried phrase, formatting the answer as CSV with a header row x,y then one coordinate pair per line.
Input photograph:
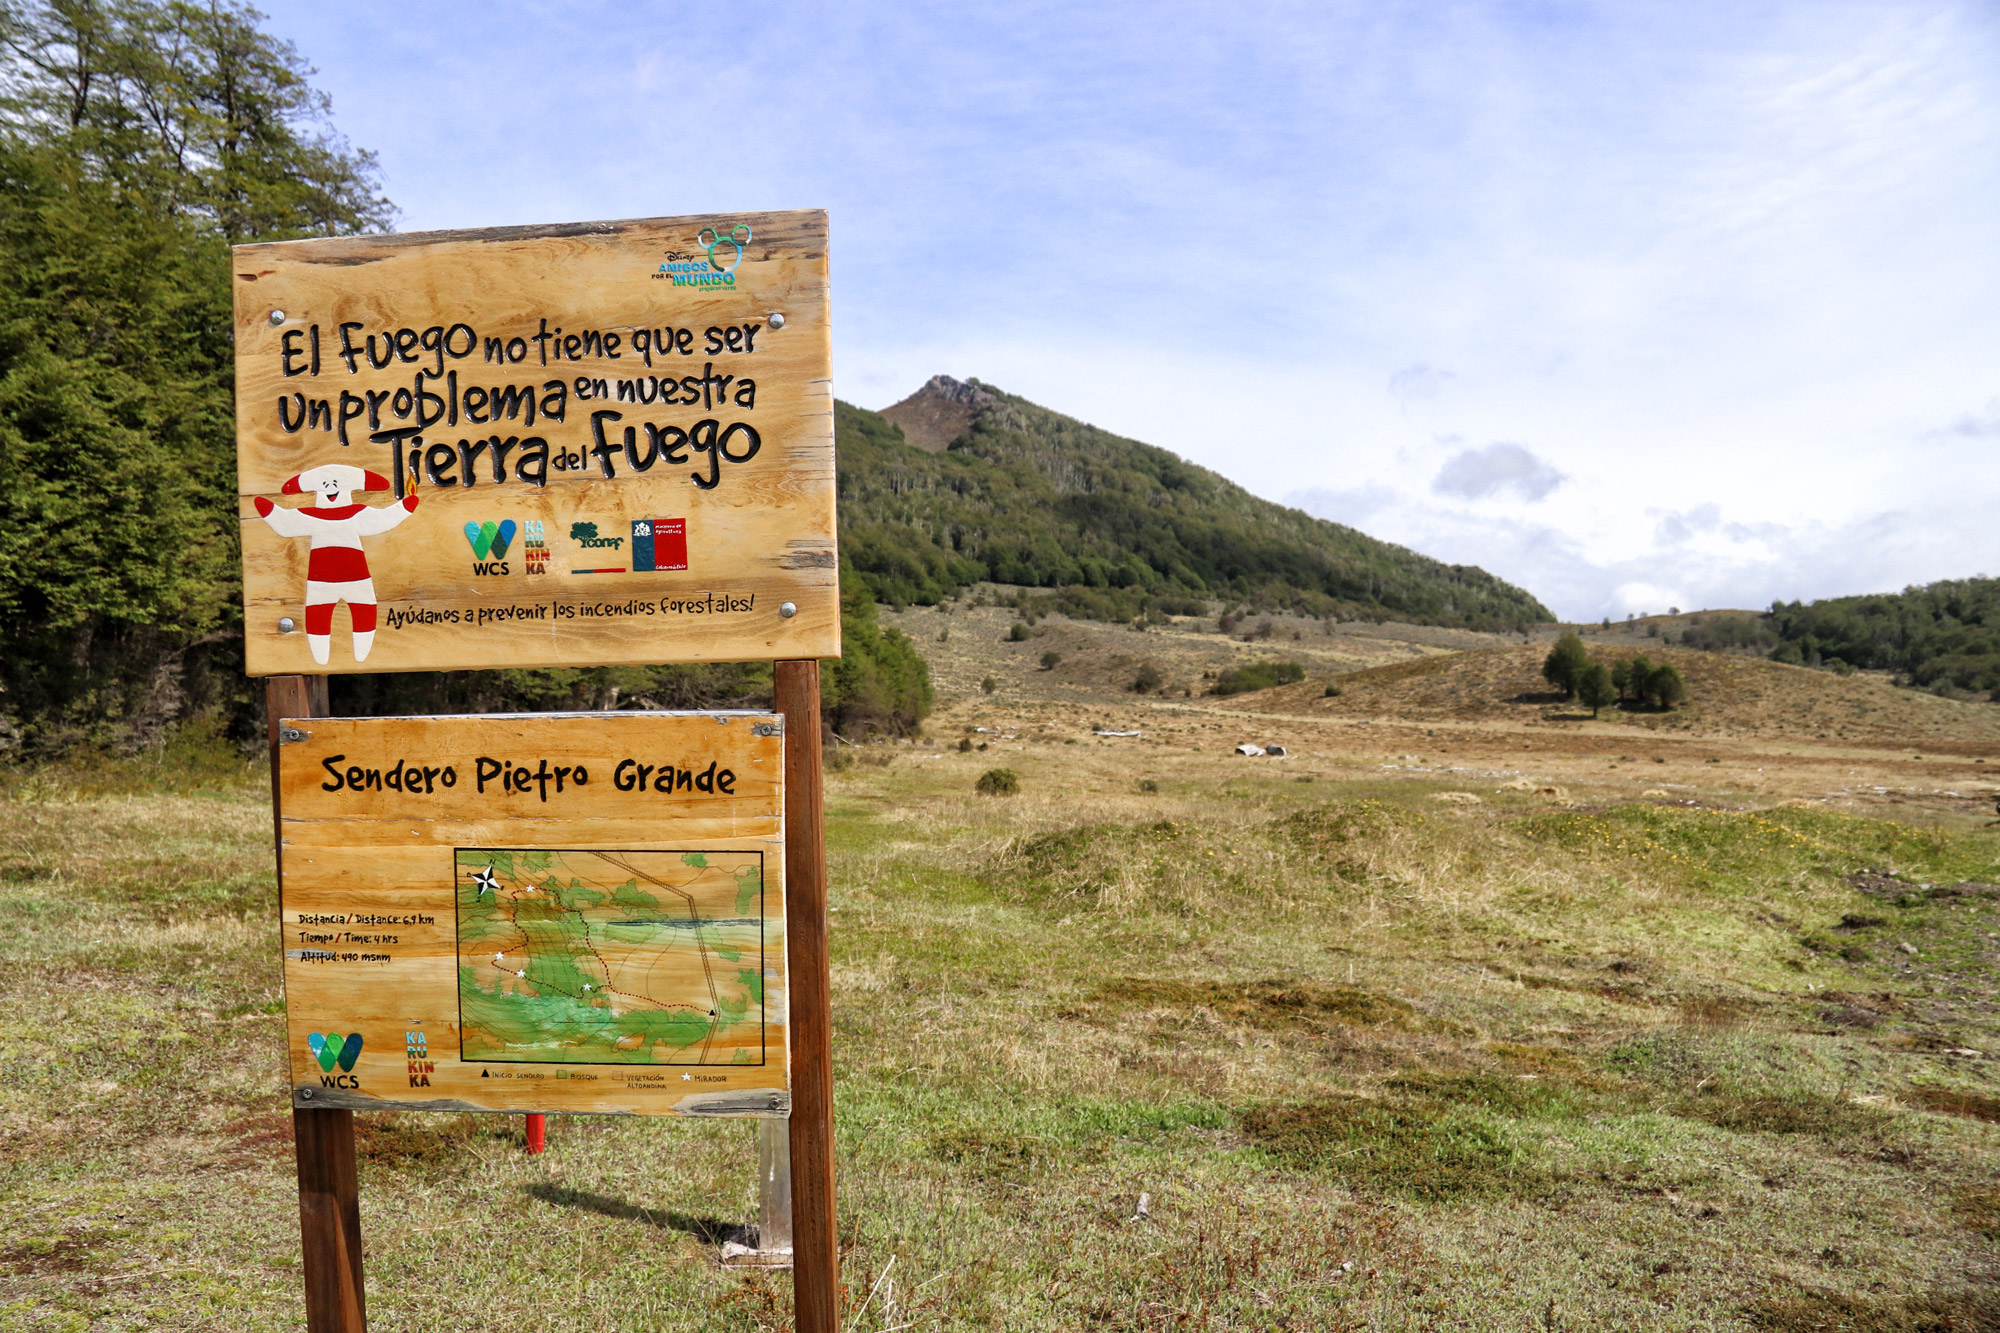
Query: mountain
x,y
960,483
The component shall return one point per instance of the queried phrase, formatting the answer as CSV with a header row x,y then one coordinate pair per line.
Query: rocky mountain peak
x,y
940,412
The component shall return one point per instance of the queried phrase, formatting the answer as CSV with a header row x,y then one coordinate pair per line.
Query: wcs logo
x,y
489,542
333,1050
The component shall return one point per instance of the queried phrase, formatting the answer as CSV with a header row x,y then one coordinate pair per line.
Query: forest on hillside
x,y
138,141
1028,496
1941,636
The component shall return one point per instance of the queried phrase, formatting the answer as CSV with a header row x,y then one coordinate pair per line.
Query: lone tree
x,y
1565,664
1594,687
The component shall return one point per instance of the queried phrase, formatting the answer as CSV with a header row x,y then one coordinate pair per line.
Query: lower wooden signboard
x,y
545,912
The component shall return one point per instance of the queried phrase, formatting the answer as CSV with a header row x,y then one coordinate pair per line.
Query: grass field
x,y
1466,1038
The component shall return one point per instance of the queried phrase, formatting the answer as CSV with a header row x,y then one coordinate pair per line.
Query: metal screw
x,y
787,610
777,318
277,316
286,624
305,1093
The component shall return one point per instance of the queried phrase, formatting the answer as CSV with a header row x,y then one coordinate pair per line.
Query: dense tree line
x,y
139,139
137,142
1942,636
1028,496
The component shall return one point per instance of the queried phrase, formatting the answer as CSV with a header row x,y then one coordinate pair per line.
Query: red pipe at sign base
x,y
537,1131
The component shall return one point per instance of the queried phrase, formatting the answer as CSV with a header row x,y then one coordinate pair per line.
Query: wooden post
x,y
329,1187
815,1243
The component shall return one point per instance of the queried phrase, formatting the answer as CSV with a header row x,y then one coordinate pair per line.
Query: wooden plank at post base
x,y
577,445
580,913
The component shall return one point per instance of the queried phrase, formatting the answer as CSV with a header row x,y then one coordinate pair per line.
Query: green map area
x,y
611,957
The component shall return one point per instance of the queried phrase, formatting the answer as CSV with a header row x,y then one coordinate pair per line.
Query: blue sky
x,y
1634,304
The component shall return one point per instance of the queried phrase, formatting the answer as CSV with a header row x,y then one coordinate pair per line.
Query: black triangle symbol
x,y
486,1073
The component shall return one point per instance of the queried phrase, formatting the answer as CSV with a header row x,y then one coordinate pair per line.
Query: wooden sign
x,y
579,445
556,912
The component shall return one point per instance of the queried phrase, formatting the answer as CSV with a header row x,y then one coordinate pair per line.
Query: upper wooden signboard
x,y
578,445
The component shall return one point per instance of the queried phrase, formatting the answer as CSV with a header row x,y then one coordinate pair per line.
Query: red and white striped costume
x,y
336,567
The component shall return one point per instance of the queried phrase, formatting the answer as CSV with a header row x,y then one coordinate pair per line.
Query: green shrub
x,y
1147,680
998,782
1257,676
1051,660
879,683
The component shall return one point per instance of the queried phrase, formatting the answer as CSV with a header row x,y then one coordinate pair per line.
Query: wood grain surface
x,y
671,408
610,885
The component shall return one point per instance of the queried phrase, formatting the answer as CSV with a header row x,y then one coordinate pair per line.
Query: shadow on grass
x,y
707,1230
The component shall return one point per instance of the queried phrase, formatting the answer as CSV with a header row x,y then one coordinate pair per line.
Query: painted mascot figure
x,y
336,566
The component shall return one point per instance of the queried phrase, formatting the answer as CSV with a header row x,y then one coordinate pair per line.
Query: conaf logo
x,y
490,537
331,1048
585,534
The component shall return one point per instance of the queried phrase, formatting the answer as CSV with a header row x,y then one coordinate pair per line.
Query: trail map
x,y
611,957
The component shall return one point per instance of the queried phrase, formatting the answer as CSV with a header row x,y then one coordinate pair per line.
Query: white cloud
x,y
1421,382
1477,474
1644,599
1727,267
1968,426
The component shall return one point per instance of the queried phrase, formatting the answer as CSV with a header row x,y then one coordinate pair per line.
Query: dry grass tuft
x,y
1956,1101
1803,1113
1967,1309
1267,1005
1421,1147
